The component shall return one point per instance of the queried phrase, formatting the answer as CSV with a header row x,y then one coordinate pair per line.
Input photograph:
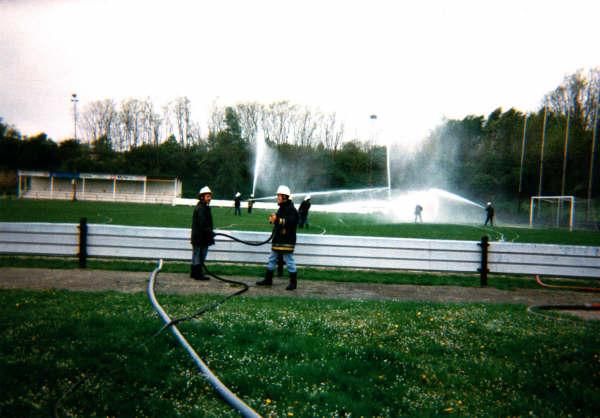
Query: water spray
x,y
261,146
330,192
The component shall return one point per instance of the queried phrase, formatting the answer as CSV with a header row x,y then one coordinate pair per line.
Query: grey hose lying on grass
x,y
225,393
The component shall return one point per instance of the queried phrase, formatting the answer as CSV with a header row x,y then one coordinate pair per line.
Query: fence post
x,y
483,270
83,229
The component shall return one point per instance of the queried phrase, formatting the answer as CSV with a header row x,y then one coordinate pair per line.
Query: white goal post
x,y
553,200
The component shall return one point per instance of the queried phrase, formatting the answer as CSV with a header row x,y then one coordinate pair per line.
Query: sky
x,y
410,63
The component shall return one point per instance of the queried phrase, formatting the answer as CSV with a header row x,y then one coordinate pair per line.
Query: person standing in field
x,y
250,203
237,202
418,211
303,212
284,223
490,214
203,235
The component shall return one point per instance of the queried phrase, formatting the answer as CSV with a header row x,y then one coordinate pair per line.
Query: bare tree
x,y
572,97
278,120
332,133
98,119
167,121
250,115
146,120
182,114
304,127
130,118
591,96
216,120
195,132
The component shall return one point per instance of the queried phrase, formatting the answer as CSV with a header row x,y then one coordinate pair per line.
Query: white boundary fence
x,y
114,241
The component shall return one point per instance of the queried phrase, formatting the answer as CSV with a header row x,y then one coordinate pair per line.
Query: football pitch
x,y
320,223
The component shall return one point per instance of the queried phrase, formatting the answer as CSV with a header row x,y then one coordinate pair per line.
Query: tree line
x,y
504,155
135,122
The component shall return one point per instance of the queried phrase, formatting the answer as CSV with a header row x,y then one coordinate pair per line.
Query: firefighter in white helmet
x,y
203,235
284,223
489,210
250,203
237,203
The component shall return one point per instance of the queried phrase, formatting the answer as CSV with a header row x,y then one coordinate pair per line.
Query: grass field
x,y
93,354
339,224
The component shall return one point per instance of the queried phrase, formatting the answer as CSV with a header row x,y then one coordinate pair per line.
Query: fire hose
x,y
578,288
226,394
578,307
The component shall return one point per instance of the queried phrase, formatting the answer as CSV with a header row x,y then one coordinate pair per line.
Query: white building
x,y
99,187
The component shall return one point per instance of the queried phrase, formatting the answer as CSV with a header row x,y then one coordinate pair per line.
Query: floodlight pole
x,y
522,157
74,100
564,167
592,157
542,152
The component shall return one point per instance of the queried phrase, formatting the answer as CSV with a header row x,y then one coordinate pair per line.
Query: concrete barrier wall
x,y
114,241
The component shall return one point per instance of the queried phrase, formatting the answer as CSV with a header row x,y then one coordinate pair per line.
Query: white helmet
x,y
489,203
307,197
284,190
237,194
204,190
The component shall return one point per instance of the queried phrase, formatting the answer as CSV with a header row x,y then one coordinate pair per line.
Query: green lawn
x,y
291,357
339,224
92,354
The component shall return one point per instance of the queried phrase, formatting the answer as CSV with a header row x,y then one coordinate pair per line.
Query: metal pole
x,y
542,151
592,157
373,129
572,217
522,153
388,170
483,270
83,230
74,99
531,203
542,158
564,167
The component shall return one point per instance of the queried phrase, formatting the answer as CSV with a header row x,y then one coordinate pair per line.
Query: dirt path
x,y
102,280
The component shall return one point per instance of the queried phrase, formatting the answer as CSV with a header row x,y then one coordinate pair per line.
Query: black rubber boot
x,y
293,281
197,273
268,280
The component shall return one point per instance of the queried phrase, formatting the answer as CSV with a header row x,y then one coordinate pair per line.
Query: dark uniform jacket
x,y
284,238
304,207
202,226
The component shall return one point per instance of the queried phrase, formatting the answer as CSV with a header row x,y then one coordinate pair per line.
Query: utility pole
x,y
74,100
542,150
523,142
542,156
592,157
564,168
373,119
